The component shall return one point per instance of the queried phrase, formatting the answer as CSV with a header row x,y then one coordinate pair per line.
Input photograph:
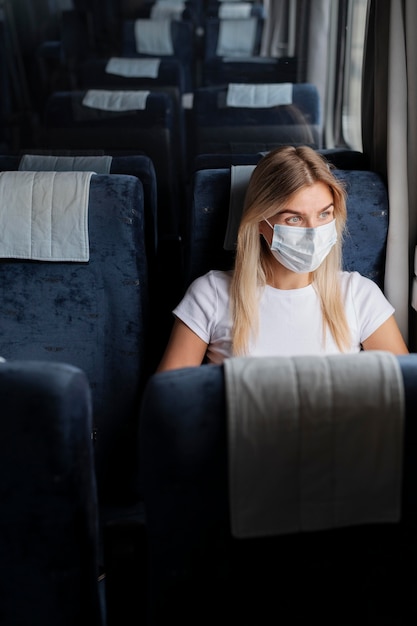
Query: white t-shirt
x,y
290,320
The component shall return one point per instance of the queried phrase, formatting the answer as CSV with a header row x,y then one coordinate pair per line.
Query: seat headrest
x,y
44,215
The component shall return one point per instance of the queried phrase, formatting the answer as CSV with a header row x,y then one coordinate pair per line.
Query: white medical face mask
x,y
302,249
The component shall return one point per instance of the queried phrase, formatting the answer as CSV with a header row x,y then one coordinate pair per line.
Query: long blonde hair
x,y
278,175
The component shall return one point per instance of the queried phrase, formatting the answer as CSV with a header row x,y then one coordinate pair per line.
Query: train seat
x,y
221,71
86,305
217,199
232,44
201,568
49,539
149,37
132,73
148,123
243,118
238,37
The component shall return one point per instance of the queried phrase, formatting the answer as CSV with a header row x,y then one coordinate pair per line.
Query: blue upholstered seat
x,y
367,224
358,575
92,74
212,28
155,131
220,71
183,46
92,315
49,536
215,127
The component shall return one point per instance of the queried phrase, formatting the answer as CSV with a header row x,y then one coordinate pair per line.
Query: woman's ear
x,y
266,231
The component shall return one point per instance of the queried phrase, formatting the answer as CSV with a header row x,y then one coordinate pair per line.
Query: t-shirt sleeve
x,y
371,306
198,307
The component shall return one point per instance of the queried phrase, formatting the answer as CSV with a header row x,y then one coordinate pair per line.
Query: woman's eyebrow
x,y
294,212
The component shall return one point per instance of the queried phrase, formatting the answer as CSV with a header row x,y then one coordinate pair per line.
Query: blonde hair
x,y
278,175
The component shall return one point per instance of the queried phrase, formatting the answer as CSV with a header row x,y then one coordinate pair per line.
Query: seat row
x,y
103,306
194,565
154,121
201,37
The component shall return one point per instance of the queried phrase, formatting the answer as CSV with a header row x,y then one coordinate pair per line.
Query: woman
x,y
287,294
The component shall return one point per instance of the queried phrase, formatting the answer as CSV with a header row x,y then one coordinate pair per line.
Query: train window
x,y
352,89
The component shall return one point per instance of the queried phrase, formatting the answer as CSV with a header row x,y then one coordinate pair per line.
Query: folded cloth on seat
x,y
133,68
115,100
49,163
259,96
153,37
44,215
236,37
314,442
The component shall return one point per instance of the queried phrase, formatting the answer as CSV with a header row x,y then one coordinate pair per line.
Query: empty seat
x,y
221,71
244,118
200,568
49,539
133,73
232,46
86,304
233,37
148,125
158,38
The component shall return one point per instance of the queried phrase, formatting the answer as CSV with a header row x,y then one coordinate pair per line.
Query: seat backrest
x,y
92,315
367,223
181,39
199,568
154,130
100,74
218,126
218,35
221,71
49,539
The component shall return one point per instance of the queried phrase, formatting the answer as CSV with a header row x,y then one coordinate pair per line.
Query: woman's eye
x,y
326,214
293,220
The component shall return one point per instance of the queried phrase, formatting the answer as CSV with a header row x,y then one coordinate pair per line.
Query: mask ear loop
x,y
269,223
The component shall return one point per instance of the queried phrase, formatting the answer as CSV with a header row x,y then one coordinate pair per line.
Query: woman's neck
x,y
282,278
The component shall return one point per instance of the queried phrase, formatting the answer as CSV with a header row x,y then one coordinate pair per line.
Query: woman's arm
x,y
184,349
387,337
